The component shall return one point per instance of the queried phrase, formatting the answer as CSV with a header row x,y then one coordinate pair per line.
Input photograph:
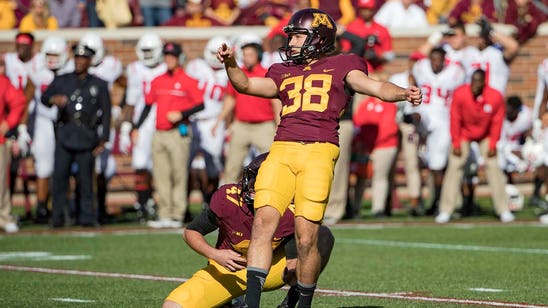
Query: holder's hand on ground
x,y
414,95
224,53
230,260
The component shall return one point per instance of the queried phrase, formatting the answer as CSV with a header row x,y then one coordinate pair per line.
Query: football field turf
x,y
391,264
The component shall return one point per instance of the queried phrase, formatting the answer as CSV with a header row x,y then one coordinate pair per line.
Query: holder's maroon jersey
x,y
235,220
313,97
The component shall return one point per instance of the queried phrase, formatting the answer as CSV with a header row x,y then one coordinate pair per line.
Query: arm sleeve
x,y
204,223
193,110
106,108
143,116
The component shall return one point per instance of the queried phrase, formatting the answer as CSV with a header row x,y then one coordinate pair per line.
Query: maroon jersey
x,y
313,97
235,220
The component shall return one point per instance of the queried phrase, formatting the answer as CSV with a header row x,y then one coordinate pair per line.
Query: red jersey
x,y
377,123
173,92
250,108
235,220
279,28
313,97
12,104
363,29
476,119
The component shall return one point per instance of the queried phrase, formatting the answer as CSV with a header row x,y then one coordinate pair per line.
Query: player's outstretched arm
x,y
384,90
257,86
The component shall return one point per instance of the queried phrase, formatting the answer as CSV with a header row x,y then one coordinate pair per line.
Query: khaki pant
x,y
453,178
170,155
383,163
336,206
409,148
5,201
244,135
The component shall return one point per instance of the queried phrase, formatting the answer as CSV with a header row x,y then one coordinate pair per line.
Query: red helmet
x,y
320,30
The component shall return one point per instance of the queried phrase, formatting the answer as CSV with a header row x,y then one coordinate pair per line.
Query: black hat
x,y
171,48
83,51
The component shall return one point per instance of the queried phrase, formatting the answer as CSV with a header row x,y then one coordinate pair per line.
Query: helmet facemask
x,y
55,52
247,184
248,187
307,50
149,50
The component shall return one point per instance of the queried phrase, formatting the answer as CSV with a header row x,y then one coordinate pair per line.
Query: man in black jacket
x,y
82,128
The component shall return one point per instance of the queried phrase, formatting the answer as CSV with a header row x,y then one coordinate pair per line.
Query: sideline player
x,y
314,84
139,75
231,211
54,54
208,138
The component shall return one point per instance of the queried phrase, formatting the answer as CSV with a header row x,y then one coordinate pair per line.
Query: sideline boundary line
x,y
400,296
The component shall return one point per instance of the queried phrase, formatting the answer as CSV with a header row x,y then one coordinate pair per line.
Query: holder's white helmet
x,y
210,51
55,51
94,41
149,49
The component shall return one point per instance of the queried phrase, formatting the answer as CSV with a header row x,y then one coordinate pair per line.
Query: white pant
x,y
209,143
141,155
43,146
438,145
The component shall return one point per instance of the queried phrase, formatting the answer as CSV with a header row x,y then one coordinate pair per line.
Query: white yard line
x,y
486,290
440,246
71,300
400,296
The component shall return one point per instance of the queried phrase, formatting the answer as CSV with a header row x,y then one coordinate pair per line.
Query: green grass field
x,y
396,262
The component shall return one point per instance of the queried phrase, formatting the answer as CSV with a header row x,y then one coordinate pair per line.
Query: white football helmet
x,y
210,51
244,39
149,49
95,42
533,152
55,51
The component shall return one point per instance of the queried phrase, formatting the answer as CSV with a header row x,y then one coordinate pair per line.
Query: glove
x,y
124,144
435,38
23,139
485,27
